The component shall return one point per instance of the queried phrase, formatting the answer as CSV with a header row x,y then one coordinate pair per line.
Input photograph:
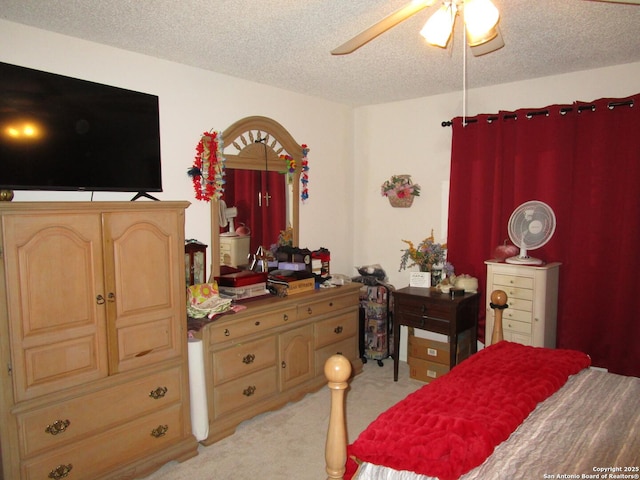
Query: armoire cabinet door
x,y
55,298
144,277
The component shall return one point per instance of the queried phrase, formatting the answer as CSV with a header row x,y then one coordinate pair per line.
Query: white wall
x,y
407,137
193,101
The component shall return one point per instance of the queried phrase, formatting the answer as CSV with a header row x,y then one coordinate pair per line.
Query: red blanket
x,y
453,424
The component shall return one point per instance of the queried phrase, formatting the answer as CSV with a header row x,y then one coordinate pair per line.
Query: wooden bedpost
x,y
498,303
337,369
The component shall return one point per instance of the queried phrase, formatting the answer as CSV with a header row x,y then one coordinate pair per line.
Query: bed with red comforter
x,y
509,411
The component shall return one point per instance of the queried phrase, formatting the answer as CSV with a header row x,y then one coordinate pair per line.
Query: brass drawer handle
x,y
100,300
250,390
158,393
257,323
331,304
226,332
286,317
309,310
248,359
60,471
59,426
111,297
338,329
159,431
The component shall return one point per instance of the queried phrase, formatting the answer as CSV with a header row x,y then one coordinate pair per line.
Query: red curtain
x,y
583,160
266,218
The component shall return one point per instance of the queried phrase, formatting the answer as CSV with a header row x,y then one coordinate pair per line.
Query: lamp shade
x,y
438,28
480,18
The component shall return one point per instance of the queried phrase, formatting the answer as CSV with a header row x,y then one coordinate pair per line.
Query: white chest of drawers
x,y
532,292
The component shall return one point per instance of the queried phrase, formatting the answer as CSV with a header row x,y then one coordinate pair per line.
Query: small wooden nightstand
x,y
437,312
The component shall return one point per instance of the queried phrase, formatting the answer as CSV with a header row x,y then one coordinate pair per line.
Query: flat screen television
x,y
63,133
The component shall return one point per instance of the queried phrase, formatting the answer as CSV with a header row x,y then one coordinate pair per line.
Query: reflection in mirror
x,y
259,191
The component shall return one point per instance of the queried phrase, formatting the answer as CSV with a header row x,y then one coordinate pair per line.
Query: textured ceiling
x,y
286,43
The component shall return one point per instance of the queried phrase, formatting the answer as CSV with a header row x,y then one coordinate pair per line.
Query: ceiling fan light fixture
x,y
480,19
438,28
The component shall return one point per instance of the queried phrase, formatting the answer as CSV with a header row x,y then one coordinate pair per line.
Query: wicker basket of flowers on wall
x,y
400,191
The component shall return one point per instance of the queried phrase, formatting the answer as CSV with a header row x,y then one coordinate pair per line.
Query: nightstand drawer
x,y
235,330
243,359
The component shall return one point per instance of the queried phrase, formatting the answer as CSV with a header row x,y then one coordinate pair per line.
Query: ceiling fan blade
x,y
632,2
382,26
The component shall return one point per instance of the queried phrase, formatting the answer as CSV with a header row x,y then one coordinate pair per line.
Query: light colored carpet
x,y
289,443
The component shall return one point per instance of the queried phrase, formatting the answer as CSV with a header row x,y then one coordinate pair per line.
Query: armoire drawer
x,y
519,304
86,459
321,307
513,281
244,391
518,315
515,326
243,359
335,329
61,423
251,325
514,292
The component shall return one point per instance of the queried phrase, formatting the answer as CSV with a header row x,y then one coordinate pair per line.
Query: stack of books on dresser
x,y
243,285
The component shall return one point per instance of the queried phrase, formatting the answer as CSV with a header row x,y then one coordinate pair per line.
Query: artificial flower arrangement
x,y
400,186
426,256
207,171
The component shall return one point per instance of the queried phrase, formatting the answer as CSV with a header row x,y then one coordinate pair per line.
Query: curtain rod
x,y
563,111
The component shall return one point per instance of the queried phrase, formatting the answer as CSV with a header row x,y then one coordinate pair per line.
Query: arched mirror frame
x,y
242,152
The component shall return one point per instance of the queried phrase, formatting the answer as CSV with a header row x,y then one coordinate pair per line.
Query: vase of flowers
x,y
400,191
429,256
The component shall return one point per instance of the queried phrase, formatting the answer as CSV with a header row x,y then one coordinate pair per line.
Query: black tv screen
x,y
62,133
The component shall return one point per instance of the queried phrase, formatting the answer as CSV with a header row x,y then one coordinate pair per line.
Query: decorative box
x,y
241,279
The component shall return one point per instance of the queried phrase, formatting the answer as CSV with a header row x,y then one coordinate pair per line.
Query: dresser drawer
x,y
251,325
242,392
61,423
513,281
346,347
243,359
94,456
335,329
321,307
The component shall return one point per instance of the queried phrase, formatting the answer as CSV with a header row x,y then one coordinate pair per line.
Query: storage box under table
x,y
429,359
426,371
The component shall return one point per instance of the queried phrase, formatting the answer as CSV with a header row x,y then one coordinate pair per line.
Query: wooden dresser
x,y
94,372
532,296
274,352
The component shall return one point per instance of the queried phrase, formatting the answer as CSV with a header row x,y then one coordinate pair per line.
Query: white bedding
x,y
591,423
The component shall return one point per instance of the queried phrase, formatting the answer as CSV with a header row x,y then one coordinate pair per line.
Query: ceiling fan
x,y
481,19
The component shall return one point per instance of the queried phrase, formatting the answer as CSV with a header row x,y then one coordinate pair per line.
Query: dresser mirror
x,y
259,195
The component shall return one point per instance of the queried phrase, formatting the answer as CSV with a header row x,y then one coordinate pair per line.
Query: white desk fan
x,y
531,225
226,216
